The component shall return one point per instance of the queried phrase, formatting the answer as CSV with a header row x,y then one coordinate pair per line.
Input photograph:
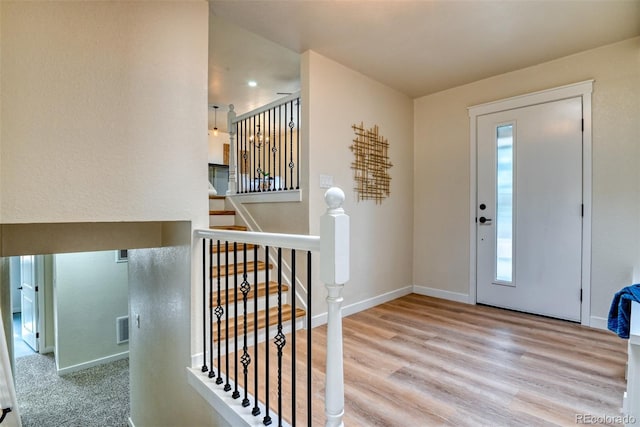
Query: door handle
x,y
20,288
484,220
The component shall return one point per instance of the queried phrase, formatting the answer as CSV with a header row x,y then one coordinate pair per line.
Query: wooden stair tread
x,y
215,197
229,227
239,268
222,212
262,291
262,321
240,247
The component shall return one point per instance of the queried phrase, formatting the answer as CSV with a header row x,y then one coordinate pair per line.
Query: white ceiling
x,y
416,47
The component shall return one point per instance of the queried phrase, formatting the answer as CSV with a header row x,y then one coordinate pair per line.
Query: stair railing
x,y
241,338
264,148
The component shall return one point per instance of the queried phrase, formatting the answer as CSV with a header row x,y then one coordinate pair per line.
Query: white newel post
x,y
334,272
233,165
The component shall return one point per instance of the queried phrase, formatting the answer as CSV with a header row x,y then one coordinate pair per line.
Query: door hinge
x,y
580,295
582,125
36,289
37,334
582,210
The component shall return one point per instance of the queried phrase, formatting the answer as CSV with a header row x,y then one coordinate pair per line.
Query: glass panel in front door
x,y
504,204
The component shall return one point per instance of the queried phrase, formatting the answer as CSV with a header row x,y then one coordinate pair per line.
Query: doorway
x,y
532,186
26,276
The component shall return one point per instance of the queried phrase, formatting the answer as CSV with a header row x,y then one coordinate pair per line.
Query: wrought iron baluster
x,y
298,143
280,145
246,359
256,410
219,311
284,124
267,418
264,151
227,386
280,340
252,138
211,313
291,164
236,393
267,150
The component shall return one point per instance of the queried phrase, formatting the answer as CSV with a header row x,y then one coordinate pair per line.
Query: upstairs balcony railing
x,y
264,148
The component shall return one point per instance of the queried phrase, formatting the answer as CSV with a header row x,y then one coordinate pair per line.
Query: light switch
x,y
326,181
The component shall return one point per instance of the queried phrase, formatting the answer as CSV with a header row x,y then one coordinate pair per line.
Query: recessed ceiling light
x,y
252,83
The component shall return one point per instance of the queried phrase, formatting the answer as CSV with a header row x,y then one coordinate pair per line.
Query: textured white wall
x,y
381,235
91,291
103,100
441,186
161,345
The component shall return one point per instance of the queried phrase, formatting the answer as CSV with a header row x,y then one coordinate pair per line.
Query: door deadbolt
x,y
483,206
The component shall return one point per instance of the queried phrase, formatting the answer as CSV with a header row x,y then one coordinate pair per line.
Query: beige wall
x,y
107,131
99,95
216,143
381,237
441,168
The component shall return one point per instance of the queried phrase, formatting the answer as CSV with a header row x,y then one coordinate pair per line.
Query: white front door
x,y
29,300
529,213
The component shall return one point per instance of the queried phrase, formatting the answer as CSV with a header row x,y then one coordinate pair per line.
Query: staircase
x,y
221,218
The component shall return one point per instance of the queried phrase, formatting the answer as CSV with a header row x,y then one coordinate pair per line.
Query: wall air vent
x,y
122,330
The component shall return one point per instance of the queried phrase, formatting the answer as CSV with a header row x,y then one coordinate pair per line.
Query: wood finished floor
x,y
420,361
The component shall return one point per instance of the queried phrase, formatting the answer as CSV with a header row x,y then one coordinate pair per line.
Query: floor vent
x,y
122,329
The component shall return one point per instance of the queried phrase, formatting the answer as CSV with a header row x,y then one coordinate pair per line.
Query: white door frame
x,y
582,89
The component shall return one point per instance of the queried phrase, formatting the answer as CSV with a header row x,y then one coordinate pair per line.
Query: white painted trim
x,y
294,96
598,322
92,363
292,241
587,159
540,97
321,319
220,401
268,197
442,294
581,89
130,422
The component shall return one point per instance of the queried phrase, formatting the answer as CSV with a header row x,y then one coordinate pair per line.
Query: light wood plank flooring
x,y
420,361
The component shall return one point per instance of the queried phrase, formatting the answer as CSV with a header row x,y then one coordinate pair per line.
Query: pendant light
x,y
215,115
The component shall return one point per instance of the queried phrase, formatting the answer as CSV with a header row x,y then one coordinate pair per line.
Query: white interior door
x,y
529,213
29,300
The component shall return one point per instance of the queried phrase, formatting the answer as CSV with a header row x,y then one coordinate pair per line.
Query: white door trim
x,y
582,89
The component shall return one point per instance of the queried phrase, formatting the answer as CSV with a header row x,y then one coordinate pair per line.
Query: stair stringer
x,y
244,216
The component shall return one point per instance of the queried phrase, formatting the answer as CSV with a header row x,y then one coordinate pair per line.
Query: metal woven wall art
x,y
371,164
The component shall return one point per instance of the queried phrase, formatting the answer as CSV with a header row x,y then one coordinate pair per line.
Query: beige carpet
x,y
97,396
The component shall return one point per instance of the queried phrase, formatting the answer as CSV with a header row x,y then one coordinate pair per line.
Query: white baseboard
x,y
269,197
321,319
92,363
130,422
440,293
598,322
